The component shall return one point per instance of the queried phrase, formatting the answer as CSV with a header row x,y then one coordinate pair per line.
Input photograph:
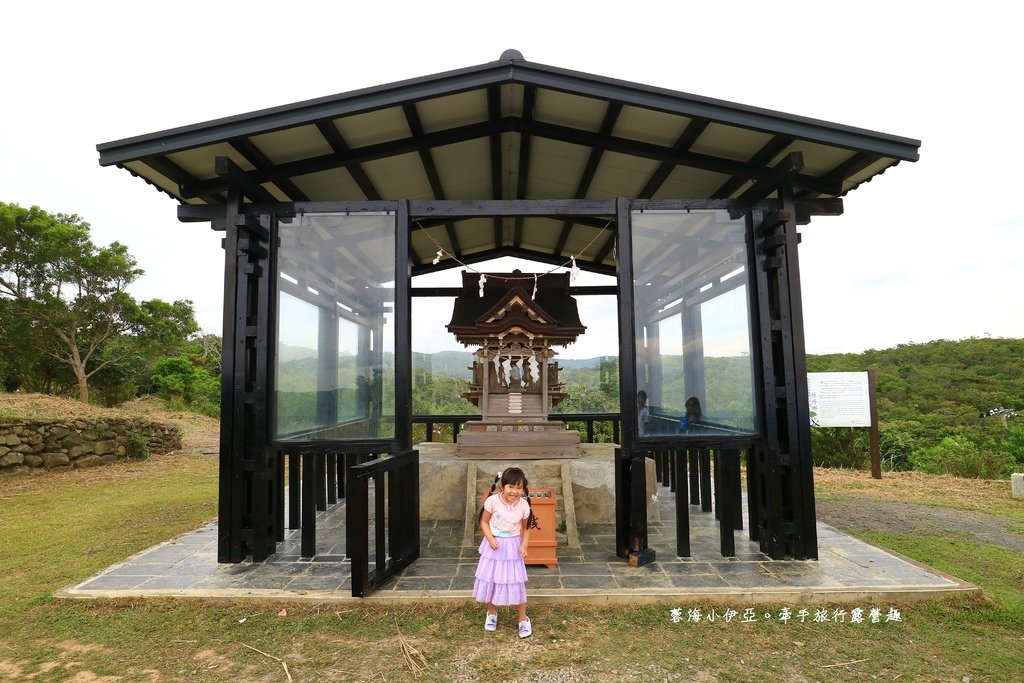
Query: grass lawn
x,y
58,528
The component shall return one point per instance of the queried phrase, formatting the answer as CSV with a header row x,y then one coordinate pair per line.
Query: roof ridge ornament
x,y
511,56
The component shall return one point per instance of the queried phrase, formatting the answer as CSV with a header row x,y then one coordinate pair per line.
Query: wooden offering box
x,y
542,539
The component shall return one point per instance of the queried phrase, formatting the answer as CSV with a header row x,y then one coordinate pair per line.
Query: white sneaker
x,y
491,622
525,629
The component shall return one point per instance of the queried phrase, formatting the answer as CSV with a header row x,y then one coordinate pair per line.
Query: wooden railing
x,y
396,526
445,428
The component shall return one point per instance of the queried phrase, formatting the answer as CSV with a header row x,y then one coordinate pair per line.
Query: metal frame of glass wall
x,y
708,297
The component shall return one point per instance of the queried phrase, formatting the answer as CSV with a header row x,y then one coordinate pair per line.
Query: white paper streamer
x,y
534,369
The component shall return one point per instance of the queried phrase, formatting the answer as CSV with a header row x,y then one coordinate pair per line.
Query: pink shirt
x,y
505,519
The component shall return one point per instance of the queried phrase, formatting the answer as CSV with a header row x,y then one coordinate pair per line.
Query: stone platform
x,y
513,439
451,487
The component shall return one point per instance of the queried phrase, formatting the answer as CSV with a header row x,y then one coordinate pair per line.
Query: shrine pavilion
x,y
329,207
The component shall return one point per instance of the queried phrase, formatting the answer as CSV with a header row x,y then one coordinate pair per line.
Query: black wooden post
x,y
694,476
705,479
248,508
310,460
403,330
294,492
682,507
786,492
639,553
332,478
753,491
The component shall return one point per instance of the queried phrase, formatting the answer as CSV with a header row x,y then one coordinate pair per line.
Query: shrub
x,y
136,445
179,382
897,440
961,458
1014,445
841,447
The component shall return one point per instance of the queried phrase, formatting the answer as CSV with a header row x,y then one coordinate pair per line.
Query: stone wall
x,y
80,442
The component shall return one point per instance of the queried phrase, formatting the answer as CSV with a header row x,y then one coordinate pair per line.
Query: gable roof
x,y
508,129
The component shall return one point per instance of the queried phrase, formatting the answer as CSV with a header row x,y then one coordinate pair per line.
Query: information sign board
x,y
839,399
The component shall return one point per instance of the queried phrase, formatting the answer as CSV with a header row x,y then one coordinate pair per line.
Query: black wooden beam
x,y
521,252
181,177
199,213
494,115
473,208
232,174
412,118
761,159
611,115
807,208
529,100
790,165
855,164
647,150
527,128
683,144
255,156
347,159
341,149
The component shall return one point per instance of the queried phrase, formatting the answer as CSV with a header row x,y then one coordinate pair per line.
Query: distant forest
x,y
944,406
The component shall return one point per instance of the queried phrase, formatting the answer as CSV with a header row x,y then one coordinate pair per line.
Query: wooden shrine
x,y
514,319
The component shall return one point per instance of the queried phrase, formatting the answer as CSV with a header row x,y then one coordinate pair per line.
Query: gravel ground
x,y
911,518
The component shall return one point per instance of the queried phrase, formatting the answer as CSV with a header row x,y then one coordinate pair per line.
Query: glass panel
x,y
335,342
693,327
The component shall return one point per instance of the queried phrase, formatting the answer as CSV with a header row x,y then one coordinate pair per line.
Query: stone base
x,y
443,483
521,440
1017,485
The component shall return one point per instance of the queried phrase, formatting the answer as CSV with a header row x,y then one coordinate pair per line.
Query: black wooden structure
x,y
330,206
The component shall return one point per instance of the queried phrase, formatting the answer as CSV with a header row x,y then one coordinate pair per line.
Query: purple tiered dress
x,y
501,573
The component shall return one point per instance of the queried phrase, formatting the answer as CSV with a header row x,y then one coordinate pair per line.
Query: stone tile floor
x,y
847,569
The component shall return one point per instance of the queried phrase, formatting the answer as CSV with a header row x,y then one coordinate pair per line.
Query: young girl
x,y
506,520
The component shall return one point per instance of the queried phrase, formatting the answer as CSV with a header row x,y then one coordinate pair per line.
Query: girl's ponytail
x,y
532,522
490,493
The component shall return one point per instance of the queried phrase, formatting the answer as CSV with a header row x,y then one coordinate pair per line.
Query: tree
x,y
70,292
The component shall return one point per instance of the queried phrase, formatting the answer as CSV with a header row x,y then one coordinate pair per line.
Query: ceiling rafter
x,y
349,157
611,115
763,157
412,118
178,175
337,142
683,144
648,150
493,116
852,166
522,181
528,128
248,149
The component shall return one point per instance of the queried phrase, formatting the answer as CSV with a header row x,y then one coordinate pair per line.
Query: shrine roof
x,y
505,130
508,300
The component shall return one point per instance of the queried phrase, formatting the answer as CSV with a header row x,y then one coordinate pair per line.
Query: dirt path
x,y
912,518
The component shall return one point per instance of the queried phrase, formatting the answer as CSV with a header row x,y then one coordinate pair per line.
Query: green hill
x,y
933,405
